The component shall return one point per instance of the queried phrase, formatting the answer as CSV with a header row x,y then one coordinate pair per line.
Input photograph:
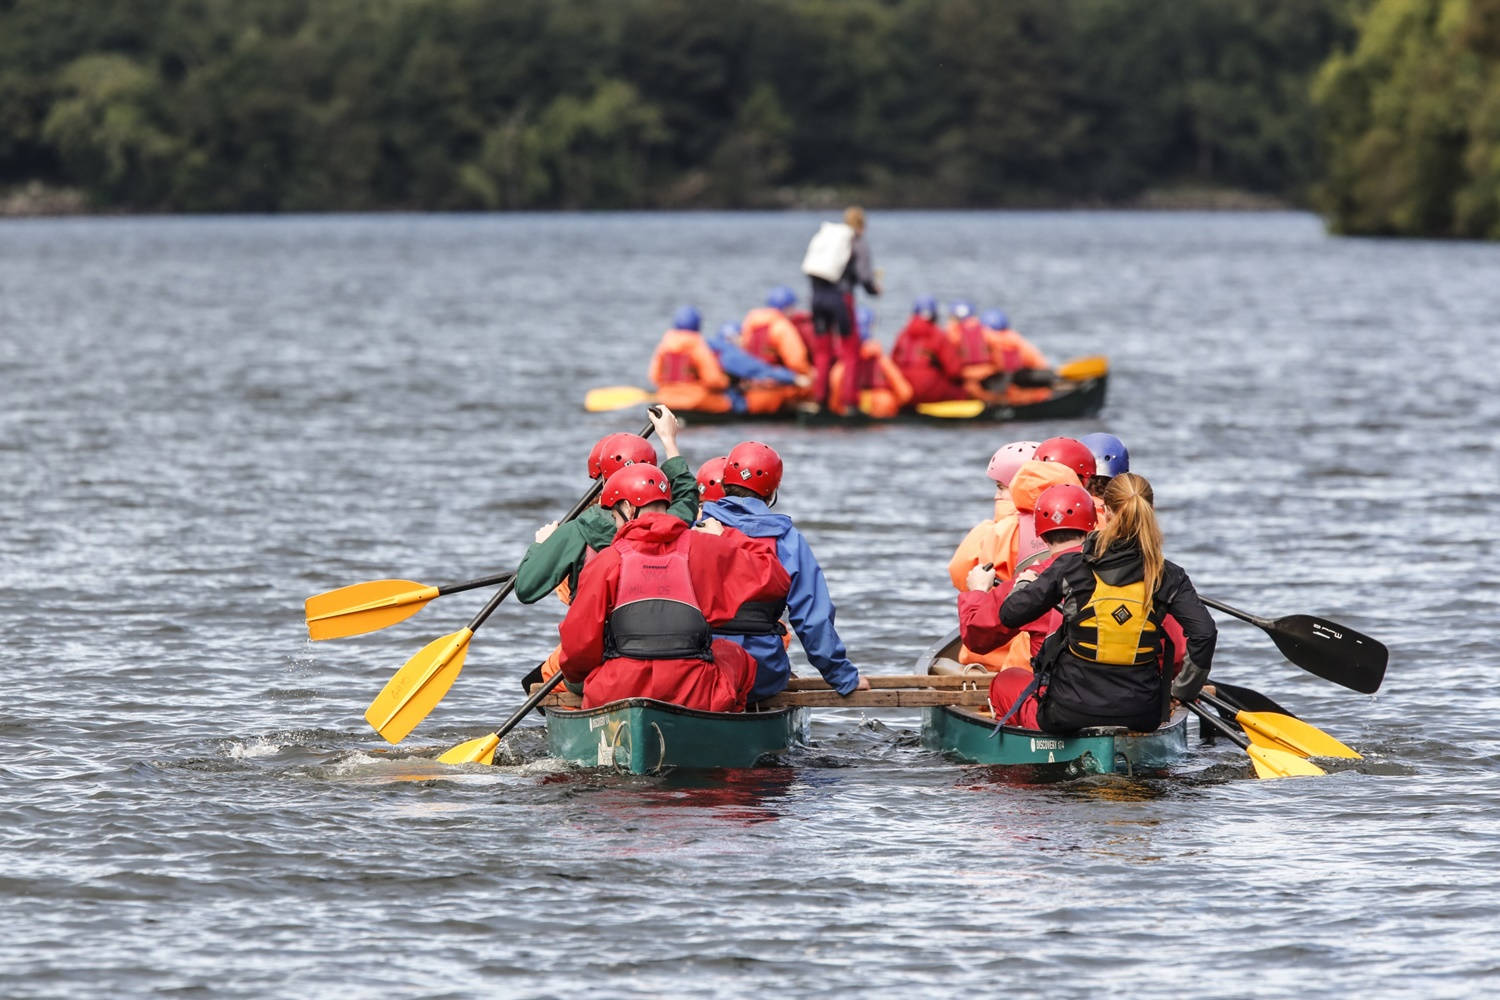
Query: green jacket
x,y
561,556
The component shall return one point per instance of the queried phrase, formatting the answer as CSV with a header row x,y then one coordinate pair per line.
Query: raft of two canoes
x,y
642,736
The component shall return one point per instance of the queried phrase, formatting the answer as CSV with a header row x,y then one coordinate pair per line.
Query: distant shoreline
x,y
35,199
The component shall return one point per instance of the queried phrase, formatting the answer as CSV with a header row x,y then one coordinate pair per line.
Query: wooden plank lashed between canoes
x,y
889,691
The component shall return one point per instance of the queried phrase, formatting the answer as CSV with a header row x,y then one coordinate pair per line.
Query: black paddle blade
x,y
1331,651
1247,699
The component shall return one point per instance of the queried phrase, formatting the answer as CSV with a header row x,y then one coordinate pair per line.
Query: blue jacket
x,y
739,363
808,606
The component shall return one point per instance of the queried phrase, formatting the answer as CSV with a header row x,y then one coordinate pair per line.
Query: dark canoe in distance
x,y
1069,401
645,736
971,736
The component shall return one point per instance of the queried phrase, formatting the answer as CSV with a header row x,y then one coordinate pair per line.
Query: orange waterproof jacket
x,y
767,334
682,356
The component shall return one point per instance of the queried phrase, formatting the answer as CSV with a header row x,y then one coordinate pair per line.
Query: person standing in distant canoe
x,y
838,261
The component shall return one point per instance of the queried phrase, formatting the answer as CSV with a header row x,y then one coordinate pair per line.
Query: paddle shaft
x,y
536,699
1212,719
484,581
1246,616
583,504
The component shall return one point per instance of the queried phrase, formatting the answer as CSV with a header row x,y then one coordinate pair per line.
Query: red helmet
x,y
1063,506
711,479
640,483
616,450
754,466
1070,452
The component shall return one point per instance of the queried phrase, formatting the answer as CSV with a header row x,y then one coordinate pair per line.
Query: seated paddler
x,y
643,617
1108,663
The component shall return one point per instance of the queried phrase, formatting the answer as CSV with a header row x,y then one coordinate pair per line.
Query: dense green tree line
x,y
288,105
1412,118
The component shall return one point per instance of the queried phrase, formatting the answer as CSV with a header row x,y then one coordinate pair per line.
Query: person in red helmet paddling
x,y
1064,514
1107,664
642,620
711,479
556,557
752,476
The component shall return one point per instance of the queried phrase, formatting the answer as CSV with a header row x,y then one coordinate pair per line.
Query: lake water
x,y
206,420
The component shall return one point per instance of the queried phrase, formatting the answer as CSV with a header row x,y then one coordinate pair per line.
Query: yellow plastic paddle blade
x,y
1271,729
480,751
952,409
616,397
365,607
1273,763
418,687
1079,369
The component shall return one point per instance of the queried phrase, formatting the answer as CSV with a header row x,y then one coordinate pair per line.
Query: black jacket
x,y
1110,695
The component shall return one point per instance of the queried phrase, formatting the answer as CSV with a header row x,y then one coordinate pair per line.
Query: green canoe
x,y
644,736
967,735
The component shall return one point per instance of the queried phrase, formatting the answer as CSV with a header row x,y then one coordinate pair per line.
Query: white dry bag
x,y
828,251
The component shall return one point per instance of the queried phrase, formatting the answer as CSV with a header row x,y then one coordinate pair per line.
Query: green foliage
x,y
1412,121
301,105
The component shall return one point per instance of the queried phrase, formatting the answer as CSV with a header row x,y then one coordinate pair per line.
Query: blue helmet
x,y
925,305
781,297
962,309
864,321
995,319
729,330
1110,456
687,318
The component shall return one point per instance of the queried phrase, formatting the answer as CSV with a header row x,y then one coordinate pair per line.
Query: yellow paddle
x,y
1269,762
482,750
616,397
952,409
1283,732
376,604
419,685
1079,369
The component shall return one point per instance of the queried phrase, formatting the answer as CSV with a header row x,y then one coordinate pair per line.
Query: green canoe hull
x,y
643,736
971,737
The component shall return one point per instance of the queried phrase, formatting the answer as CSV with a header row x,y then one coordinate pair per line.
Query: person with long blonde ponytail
x,y
1104,666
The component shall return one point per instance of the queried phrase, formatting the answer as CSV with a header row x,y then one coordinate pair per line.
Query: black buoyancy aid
x,y
755,618
656,614
1112,628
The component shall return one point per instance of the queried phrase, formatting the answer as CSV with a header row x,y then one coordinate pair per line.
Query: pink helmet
x,y
638,483
616,450
1070,452
1063,506
1005,462
711,479
754,466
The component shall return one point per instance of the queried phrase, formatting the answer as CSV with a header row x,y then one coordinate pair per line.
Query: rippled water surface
x,y
204,421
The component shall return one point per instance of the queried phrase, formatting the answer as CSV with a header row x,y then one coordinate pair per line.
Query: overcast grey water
x,y
206,420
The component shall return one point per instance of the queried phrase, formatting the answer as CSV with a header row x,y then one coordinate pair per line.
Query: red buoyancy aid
x,y
973,346
755,339
656,614
871,374
677,366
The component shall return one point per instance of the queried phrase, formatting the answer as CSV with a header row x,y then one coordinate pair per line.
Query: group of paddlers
x,y
776,359
681,587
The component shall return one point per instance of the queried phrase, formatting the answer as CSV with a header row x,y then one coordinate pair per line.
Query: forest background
x,y
1384,115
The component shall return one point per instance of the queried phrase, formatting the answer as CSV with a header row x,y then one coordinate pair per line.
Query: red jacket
x,y
929,361
979,617
726,571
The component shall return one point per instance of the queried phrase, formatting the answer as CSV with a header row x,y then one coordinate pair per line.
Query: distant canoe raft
x,y
1071,399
